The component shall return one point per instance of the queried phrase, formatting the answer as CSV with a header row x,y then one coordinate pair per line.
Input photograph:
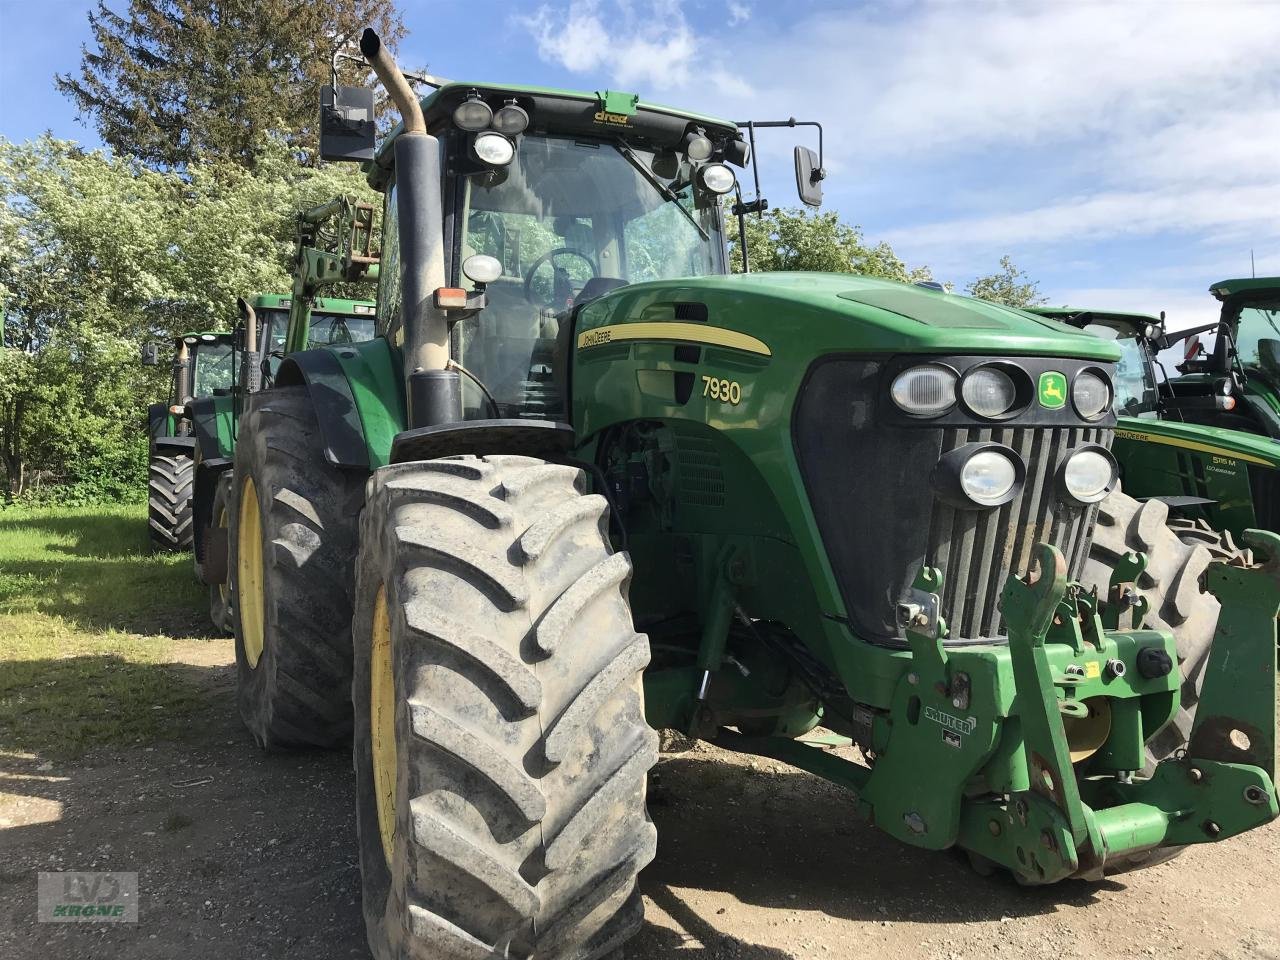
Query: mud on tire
x,y
521,748
299,692
169,481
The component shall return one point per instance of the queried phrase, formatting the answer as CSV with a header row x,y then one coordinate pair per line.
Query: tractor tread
x,y
169,515
512,640
299,695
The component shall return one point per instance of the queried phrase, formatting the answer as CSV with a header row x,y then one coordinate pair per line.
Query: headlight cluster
x,y
494,143
989,474
995,391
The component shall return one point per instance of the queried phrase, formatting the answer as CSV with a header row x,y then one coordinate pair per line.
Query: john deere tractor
x,y
202,367
333,244
585,483
1214,478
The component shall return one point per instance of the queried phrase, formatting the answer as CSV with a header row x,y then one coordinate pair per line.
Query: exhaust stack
x,y
432,391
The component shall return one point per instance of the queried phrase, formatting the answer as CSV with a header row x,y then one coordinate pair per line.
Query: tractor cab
x,y
1236,382
551,199
332,322
1137,389
203,366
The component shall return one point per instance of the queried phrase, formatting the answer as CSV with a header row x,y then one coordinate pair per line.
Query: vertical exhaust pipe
x,y
251,370
432,391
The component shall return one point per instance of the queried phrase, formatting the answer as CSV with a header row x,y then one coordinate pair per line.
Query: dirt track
x,y
247,855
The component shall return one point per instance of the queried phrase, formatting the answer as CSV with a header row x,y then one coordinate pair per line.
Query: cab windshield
x,y
1258,324
213,368
1136,391
326,329
568,220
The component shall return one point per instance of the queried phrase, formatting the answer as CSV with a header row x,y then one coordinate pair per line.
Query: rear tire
x,y
169,479
513,792
292,543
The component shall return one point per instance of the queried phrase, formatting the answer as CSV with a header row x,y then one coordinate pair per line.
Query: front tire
x,y
293,538
169,482
501,749
1173,584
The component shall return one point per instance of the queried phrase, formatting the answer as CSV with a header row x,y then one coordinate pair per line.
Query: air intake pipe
x,y
432,390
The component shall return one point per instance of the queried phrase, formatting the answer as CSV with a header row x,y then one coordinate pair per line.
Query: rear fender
x,y
358,395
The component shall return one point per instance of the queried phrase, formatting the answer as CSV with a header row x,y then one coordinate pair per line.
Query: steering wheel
x,y
549,255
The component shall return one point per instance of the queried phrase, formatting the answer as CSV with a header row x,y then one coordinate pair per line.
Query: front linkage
x,y
1032,756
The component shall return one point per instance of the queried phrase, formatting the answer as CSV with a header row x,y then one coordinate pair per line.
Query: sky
x,y
1125,154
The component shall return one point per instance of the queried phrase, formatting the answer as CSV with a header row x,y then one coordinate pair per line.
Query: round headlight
x,y
1089,475
1091,395
697,147
989,392
472,115
987,477
925,391
494,149
511,119
481,268
717,178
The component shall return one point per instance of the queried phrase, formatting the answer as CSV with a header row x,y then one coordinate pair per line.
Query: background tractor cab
x,y
203,368
1221,481
1236,383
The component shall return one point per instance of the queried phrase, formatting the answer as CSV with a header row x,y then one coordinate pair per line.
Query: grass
x,y
88,618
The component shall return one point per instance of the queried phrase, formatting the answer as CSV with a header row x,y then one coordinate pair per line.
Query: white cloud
x,y
654,50
1164,118
738,13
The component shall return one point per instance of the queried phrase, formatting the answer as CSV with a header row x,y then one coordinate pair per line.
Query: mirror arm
x,y
741,213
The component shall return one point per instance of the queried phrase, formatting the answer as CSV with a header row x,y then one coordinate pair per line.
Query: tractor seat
x,y
597,287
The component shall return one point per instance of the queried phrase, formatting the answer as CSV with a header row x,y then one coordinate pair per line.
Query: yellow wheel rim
x,y
224,588
382,723
249,573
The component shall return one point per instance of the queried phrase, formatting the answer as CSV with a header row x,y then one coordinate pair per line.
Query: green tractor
x,y
202,368
1237,385
584,483
265,323
333,245
1215,479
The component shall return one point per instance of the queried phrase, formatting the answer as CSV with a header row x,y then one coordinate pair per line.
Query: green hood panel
x,y
835,312
1235,444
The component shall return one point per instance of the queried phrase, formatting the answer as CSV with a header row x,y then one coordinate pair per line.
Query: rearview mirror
x,y
150,355
346,123
809,177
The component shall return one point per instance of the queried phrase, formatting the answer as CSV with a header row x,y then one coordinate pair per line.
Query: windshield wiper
x,y
667,193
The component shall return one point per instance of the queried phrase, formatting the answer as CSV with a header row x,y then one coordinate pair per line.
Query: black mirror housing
x,y
346,123
809,176
150,355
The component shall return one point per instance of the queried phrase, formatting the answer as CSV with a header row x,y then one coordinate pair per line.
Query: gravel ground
x,y
242,854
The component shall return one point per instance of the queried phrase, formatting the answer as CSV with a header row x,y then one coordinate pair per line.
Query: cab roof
x,y
598,113
1229,288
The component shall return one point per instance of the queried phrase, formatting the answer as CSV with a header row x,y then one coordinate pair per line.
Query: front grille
x,y
977,549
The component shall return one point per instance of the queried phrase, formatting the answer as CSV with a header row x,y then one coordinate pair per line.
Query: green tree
x,y
99,254
170,81
1008,286
796,239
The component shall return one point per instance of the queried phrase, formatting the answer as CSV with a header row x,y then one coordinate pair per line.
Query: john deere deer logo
x,y
1053,390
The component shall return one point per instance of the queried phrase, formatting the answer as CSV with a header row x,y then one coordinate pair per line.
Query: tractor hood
x,y
1231,444
823,313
